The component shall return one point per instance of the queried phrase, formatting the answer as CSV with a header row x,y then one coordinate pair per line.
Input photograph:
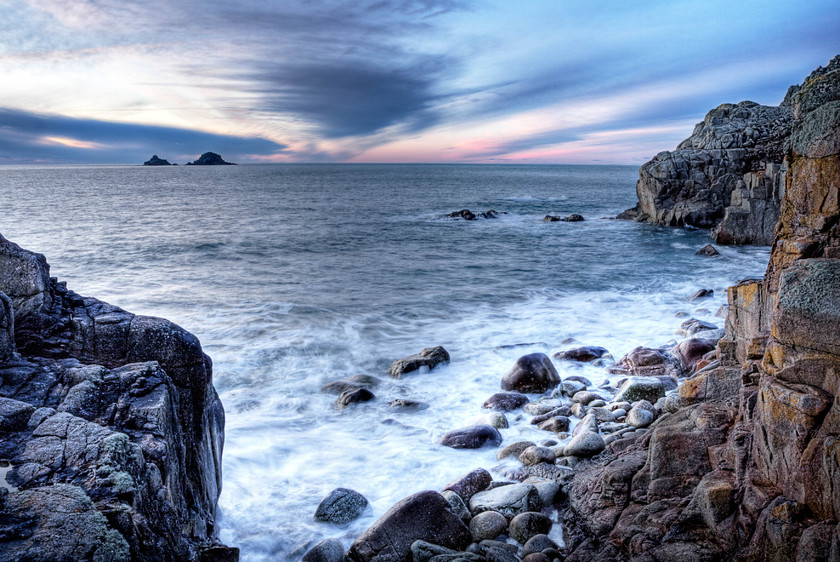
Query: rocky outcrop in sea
x,y
748,467
729,175
111,432
210,159
155,161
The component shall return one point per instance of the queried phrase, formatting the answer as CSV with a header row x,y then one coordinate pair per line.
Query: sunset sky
x,y
536,81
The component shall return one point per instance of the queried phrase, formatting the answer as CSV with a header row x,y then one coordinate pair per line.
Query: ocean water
x,y
296,275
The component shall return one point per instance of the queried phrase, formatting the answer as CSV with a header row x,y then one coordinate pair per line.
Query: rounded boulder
x,y
533,373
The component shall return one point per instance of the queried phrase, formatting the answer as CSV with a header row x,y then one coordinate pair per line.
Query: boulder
x,y
538,543
583,354
468,215
424,516
641,414
707,251
340,506
470,484
527,525
556,424
585,444
646,361
691,351
328,550
508,500
536,455
640,388
429,357
693,326
472,437
488,525
506,401
531,373
494,419
355,396
514,449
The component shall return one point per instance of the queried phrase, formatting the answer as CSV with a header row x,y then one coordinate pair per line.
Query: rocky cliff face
x,y
111,432
729,175
749,467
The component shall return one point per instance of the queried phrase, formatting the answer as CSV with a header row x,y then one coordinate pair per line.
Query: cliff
x,y
111,432
748,467
729,175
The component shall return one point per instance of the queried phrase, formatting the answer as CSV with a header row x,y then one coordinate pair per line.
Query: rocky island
x,y
111,432
210,159
723,447
155,161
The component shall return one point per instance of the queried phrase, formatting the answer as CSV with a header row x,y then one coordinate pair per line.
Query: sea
x,y
296,275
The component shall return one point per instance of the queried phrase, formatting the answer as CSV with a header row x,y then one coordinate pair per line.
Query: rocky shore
x,y
111,432
725,446
729,175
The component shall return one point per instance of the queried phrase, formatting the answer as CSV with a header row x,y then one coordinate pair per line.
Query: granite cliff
x,y
746,466
111,432
729,175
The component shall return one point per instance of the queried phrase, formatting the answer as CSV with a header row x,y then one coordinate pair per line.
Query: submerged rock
x,y
506,401
472,437
708,251
429,357
342,505
583,354
468,215
354,396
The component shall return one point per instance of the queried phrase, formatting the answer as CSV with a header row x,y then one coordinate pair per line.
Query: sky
x,y
460,81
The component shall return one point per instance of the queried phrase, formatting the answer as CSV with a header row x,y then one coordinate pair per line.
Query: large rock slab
x,y
429,357
424,516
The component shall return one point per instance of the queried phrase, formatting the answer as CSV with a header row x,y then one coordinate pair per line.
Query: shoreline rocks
x,y
108,418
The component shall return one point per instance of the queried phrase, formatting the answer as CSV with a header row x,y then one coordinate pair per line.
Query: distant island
x,y
210,159
155,161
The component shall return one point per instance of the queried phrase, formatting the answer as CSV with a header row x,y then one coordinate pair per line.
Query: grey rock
x,y
488,525
507,500
494,419
570,387
457,504
506,401
536,455
342,505
557,424
585,444
422,551
537,543
585,397
640,388
472,437
354,396
527,525
328,550
423,516
470,484
429,357
693,326
514,449
497,554
584,354
531,373
405,405
708,251
542,406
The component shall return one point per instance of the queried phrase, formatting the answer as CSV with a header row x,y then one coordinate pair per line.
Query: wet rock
x,y
508,500
585,444
350,383
701,294
468,215
349,397
494,419
583,354
556,424
536,557
497,554
328,550
422,551
691,351
406,405
424,516
562,411
693,326
429,357
457,504
547,489
708,251
536,455
640,388
531,373
340,506
527,525
488,525
470,484
570,387
514,449
641,414
571,218
585,397
506,401
472,437
542,406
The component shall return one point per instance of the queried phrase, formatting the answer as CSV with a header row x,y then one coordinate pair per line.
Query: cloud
x,y
29,137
